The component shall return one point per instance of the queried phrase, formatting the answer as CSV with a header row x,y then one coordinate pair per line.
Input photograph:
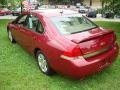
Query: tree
x,y
14,3
111,5
3,3
90,2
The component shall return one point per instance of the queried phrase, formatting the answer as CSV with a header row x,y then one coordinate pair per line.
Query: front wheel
x,y
43,64
10,36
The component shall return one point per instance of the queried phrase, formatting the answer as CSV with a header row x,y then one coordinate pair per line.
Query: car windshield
x,y
70,24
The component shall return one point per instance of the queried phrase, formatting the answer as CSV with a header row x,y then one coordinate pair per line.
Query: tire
x,y
11,37
13,14
43,64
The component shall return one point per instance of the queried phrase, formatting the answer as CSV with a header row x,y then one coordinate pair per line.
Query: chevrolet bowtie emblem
x,y
102,44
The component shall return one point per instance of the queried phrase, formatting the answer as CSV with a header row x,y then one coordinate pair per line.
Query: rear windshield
x,y
70,24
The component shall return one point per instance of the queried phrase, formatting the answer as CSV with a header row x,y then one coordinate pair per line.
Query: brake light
x,y
73,54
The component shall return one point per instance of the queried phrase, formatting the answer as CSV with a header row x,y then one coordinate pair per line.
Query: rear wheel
x,y
11,37
43,64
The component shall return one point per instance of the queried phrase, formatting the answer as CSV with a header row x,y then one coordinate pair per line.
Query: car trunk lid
x,y
93,41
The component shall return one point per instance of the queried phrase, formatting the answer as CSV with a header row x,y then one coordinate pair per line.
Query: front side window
x,y
22,20
70,24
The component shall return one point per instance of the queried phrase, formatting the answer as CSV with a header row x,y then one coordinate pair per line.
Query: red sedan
x,y
5,11
64,41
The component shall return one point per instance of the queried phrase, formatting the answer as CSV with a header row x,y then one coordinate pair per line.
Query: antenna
x,y
61,12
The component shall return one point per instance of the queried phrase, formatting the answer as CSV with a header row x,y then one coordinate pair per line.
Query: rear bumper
x,y
81,68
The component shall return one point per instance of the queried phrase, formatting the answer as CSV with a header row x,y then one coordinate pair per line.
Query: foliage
x,y
111,6
3,3
13,3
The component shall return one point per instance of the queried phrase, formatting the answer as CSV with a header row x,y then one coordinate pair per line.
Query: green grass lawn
x,y
19,71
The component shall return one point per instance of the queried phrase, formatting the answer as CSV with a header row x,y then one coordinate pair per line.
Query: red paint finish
x,y
83,67
56,46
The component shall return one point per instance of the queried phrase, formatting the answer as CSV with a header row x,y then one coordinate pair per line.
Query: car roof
x,y
54,12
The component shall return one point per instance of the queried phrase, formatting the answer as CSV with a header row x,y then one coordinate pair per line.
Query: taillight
x,y
73,54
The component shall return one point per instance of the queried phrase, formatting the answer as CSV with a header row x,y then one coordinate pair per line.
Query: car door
x,y
34,35
16,27
32,30
29,32
35,38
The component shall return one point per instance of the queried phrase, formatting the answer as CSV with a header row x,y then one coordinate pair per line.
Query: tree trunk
x,y
90,2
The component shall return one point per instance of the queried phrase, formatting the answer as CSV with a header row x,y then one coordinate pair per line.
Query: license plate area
x,y
104,63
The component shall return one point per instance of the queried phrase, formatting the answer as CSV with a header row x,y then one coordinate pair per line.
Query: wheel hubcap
x,y
42,63
10,35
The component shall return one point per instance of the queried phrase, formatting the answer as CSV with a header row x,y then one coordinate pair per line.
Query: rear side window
x,y
34,24
40,28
